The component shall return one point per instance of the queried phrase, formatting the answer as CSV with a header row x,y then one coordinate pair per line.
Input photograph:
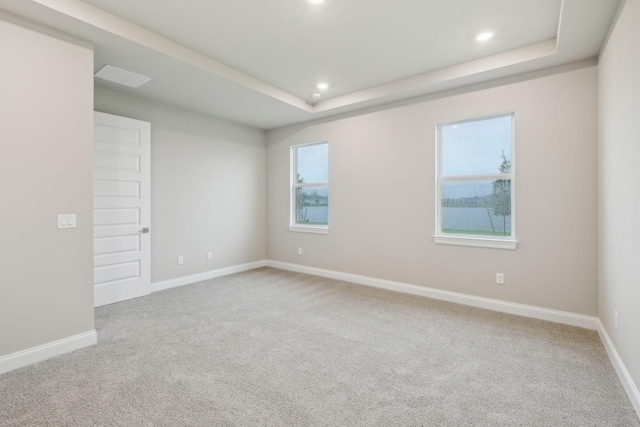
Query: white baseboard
x,y
621,370
47,351
194,278
588,322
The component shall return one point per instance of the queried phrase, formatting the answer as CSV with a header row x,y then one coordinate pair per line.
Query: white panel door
x,y
121,208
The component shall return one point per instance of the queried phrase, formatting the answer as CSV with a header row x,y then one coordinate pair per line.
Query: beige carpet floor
x,y
275,348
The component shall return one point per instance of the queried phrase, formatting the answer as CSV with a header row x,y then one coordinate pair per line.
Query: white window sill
x,y
315,229
482,242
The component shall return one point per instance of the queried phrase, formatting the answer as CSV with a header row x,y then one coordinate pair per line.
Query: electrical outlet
x,y
299,251
500,278
209,255
180,260
615,319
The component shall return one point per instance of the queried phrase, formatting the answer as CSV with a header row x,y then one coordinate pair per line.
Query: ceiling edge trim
x,y
122,28
445,93
612,27
447,74
41,28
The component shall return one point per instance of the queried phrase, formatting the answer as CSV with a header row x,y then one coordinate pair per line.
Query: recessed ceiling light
x,y
483,37
323,85
316,1
316,95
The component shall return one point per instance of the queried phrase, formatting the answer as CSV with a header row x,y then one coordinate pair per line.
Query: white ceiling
x,y
257,61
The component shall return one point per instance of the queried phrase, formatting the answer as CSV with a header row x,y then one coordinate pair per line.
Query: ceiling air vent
x,y
120,76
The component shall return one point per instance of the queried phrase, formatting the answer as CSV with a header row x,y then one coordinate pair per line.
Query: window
x,y
310,188
475,183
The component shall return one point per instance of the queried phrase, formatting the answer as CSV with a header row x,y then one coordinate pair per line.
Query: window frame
x,y
487,241
293,225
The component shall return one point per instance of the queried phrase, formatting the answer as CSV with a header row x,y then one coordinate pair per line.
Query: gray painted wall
x,y
208,191
382,183
46,127
619,173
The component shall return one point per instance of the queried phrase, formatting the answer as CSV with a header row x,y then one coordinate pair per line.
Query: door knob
x,y
144,230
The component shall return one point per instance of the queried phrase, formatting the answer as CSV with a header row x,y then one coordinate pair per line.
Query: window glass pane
x,y
312,161
312,205
476,148
477,207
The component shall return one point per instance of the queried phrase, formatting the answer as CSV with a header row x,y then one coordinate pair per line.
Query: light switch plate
x,y
66,220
